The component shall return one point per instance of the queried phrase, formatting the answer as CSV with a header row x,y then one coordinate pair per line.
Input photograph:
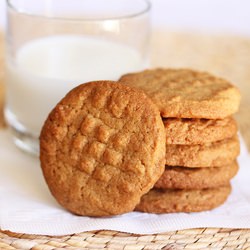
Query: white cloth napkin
x,y
26,205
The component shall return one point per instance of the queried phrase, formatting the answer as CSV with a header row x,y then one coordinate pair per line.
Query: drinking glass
x,y
55,45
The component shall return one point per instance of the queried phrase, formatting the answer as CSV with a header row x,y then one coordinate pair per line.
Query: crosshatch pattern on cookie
x,y
103,144
186,93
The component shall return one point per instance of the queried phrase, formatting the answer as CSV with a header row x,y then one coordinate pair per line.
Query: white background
x,y
216,16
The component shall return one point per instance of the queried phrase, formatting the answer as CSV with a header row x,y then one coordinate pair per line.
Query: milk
x,y
46,69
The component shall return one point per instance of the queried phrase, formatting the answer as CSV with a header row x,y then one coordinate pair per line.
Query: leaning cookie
x,y
196,178
199,131
214,154
101,148
172,201
185,93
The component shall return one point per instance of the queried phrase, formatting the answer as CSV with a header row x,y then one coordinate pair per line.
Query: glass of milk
x,y
55,45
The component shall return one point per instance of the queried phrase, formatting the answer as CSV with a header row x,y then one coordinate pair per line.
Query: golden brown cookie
x,y
185,93
199,131
196,178
171,201
101,148
215,154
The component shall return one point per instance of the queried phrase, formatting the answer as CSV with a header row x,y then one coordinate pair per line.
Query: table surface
x,y
222,55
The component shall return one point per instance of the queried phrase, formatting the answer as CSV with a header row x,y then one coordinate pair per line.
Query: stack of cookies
x,y
202,142
103,146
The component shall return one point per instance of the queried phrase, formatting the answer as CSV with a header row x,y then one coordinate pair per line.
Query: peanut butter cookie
x,y
101,148
185,93
172,201
196,178
199,131
215,154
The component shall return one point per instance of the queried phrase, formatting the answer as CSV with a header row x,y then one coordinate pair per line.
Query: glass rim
x,y
145,10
